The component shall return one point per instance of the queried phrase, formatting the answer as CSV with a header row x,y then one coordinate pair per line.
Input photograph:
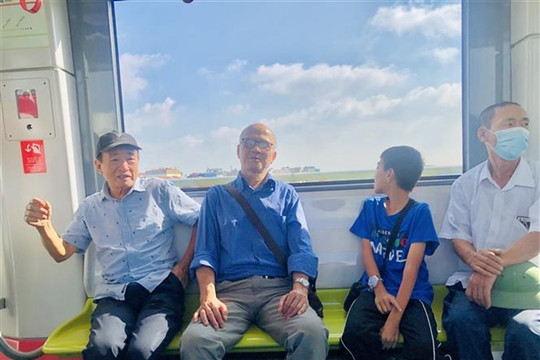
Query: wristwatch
x,y
302,281
373,281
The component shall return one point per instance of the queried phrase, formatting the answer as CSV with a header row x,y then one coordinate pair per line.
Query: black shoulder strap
x,y
395,229
258,224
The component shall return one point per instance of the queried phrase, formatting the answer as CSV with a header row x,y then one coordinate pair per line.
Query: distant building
x,y
163,173
296,170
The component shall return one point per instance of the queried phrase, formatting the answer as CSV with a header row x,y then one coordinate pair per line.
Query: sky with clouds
x,y
337,81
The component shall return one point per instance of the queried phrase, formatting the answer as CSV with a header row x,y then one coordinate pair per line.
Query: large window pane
x,y
337,81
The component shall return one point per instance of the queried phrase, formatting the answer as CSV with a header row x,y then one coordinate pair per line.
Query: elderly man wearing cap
x,y
493,212
140,298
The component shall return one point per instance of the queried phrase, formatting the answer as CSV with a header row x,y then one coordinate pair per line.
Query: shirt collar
x,y
241,183
522,175
138,186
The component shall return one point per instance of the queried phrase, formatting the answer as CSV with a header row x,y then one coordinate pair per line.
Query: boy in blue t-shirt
x,y
396,294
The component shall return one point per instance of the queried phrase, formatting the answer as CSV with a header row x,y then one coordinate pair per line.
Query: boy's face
x,y
381,178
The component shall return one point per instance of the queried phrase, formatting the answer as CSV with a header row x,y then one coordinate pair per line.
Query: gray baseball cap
x,y
113,139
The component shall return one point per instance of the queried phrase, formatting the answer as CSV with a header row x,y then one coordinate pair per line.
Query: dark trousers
x,y
362,340
138,327
467,327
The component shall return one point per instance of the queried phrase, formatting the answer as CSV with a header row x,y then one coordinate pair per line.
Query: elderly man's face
x,y
256,150
509,116
120,168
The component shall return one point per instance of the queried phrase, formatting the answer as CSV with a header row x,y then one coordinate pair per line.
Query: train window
x,y
337,81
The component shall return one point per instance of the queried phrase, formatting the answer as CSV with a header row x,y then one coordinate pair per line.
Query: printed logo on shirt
x,y
525,221
397,252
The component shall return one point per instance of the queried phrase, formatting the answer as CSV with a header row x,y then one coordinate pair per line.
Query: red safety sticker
x,y
34,9
33,157
27,103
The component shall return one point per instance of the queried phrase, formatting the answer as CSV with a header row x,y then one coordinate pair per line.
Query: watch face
x,y
373,281
302,281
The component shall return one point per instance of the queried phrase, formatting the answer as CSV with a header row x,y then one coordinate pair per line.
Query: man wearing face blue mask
x,y
492,206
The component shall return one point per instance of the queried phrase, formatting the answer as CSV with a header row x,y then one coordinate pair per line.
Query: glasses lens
x,y
251,143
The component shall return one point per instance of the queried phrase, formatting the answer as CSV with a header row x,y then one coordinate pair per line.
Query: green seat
x,y
70,339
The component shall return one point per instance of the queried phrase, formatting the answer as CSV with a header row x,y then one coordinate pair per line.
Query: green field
x,y
313,177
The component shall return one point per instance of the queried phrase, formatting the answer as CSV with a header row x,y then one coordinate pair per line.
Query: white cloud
x,y
154,115
339,134
236,65
446,55
369,107
446,95
189,141
431,22
131,67
224,132
238,109
350,133
285,79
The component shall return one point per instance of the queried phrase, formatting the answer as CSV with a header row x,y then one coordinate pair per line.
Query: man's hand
x,y
211,311
181,273
479,289
486,262
38,213
389,335
385,301
294,303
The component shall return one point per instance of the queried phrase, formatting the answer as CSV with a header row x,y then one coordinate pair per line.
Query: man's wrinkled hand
x,y
293,303
213,312
479,289
38,213
487,262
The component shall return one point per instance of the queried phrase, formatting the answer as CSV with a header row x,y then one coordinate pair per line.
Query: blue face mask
x,y
511,143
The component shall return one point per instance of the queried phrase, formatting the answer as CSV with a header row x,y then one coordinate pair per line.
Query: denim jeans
x,y
138,327
467,327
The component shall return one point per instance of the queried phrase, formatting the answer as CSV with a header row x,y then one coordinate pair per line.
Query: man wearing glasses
x,y
241,281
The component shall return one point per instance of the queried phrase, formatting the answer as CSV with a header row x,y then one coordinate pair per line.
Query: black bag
x,y
313,298
353,293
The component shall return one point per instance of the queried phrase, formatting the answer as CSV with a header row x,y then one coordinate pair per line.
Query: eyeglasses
x,y
251,143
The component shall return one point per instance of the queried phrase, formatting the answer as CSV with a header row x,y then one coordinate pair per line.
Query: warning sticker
x,y
33,157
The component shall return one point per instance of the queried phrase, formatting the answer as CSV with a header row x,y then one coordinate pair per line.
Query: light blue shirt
x,y
133,236
228,243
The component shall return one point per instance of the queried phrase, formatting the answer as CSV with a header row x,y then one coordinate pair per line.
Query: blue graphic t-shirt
x,y
375,225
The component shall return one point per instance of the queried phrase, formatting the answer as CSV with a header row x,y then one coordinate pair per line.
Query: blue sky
x,y
337,81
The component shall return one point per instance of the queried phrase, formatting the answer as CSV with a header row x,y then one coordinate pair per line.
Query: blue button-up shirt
x,y
228,243
133,236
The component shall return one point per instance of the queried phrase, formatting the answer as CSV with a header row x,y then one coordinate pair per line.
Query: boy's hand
x,y
389,335
385,301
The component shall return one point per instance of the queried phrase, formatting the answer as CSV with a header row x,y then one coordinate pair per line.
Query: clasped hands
x,y
486,266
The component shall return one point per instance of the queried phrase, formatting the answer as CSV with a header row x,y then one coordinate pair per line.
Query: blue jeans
x,y
467,327
138,327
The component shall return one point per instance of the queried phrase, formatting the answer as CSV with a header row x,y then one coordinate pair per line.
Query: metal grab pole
x,y
11,353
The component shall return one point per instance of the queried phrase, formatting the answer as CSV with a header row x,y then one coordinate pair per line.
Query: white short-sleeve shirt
x,y
487,216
